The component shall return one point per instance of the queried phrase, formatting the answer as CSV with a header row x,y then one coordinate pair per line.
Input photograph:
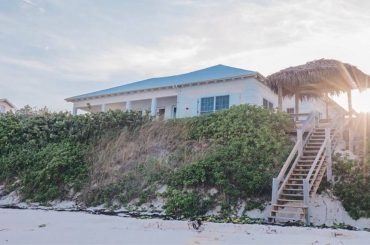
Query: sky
x,y
54,49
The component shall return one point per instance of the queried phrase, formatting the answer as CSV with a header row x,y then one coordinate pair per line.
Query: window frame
x,y
214,105
222,107
267,104
209,105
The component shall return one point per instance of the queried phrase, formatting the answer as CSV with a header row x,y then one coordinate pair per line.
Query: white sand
x,y
51,227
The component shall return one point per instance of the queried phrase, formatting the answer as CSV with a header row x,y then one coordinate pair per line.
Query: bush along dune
x,y
352,187
192,167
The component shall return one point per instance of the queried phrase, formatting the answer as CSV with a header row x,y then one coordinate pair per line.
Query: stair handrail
x,y
316,159
310,122
328,138
295,154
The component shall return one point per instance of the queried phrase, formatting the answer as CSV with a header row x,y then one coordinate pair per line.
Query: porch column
x,y
103,108
128,106
153,107
280,98
74,111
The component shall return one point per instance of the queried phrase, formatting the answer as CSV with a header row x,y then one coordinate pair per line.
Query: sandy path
x,y
51,227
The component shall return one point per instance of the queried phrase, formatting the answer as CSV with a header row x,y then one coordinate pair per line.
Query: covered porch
x,y
161,107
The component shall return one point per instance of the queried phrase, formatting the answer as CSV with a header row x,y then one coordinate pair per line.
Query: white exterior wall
x,y
308,106
4,107
265,92
187,99
245,91
167,103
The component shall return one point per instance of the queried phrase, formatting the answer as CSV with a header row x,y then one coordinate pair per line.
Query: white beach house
x,y
6,106
191,94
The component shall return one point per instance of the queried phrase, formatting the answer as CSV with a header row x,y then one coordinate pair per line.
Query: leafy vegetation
x,y
116,157
185,204
46,152
249,145
352,188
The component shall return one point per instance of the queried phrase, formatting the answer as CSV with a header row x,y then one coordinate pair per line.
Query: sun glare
x,y
360,100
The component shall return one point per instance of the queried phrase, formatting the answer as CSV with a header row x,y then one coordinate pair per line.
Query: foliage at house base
x,y
221,163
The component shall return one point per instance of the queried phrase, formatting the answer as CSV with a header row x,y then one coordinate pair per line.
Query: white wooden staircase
x,y
304,169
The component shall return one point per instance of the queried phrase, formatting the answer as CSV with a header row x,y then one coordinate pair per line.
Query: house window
x,y
2,108
222,102
207,105
290,110
215,103
268,104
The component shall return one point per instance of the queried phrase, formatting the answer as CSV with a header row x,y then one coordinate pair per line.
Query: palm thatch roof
x,y
315,78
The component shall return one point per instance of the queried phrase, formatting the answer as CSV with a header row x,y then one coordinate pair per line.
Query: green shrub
x,y
47,152
58,168
352,186
183,204
249,146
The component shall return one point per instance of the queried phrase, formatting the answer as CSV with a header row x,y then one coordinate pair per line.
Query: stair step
x,y
315,140
312,147
302,160
291,195
301,170
305,164
288,200
293,184
309,151
293,189
286,212
276,219
301,180
308,157
288,206
318,145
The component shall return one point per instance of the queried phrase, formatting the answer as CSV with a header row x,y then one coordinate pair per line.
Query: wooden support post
x,y
280,97
296,109
275,188
350,111
306,200
300,139
327,105
365,159
329,171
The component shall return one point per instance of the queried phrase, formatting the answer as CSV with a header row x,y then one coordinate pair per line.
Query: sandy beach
x,y
52,227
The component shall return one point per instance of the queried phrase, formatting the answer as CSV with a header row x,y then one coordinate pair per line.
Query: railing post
x,y
300,139
306,197
329,171
275,187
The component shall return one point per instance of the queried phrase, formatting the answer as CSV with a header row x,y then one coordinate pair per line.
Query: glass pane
x,y
206,105
222,102
265,103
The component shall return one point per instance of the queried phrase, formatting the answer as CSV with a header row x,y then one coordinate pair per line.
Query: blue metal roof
x,y
210,73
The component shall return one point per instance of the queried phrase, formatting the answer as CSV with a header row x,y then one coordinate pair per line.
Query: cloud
x,y
74,47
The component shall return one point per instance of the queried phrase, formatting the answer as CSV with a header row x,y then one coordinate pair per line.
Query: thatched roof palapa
x,y
315,78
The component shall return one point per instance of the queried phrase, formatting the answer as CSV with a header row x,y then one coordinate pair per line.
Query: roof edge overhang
x,y
8,102
254,74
